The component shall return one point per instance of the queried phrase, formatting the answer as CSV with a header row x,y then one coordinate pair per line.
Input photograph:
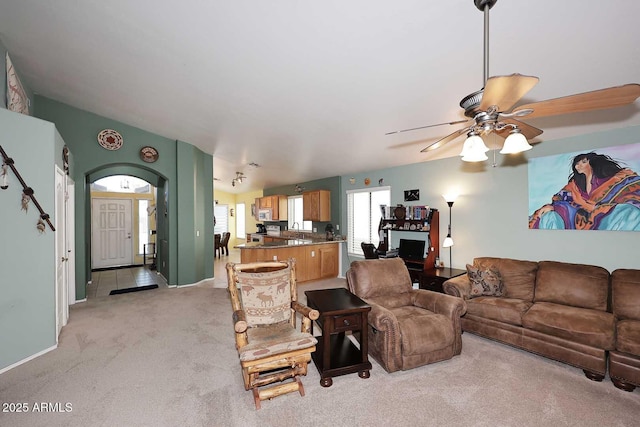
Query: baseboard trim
x,y
201,282
33,356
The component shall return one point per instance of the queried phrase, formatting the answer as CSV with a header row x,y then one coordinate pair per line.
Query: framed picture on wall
x,y
17,99
411,195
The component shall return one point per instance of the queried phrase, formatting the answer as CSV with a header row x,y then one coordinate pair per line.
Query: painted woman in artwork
x,y
600,195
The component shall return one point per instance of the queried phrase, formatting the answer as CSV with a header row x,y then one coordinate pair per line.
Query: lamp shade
x,y
450,197
515,143
448,242
474,148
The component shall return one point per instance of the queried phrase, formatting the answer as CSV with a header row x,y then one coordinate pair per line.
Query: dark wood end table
x,y
340,311
434,278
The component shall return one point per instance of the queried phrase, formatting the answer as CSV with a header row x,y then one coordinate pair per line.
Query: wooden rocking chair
x,y
264,302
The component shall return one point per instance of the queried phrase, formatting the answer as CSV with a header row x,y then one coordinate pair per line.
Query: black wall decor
x,y
411,195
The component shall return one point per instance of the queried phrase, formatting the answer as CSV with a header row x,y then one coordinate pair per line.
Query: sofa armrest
x,y
458,286
436,302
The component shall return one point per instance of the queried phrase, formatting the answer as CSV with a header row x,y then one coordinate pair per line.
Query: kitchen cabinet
x,y
277,204
313,262
328,260
316,205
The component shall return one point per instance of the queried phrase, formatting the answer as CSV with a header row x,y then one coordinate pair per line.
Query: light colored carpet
x,y
166,357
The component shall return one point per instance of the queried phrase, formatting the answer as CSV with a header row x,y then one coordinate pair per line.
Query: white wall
x,y
490,216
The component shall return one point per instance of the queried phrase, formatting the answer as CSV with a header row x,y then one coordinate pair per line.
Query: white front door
x,y
62,277
70,206
111,242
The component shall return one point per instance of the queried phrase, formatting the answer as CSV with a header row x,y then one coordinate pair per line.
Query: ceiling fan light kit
x,y
493,108
515,143
474,148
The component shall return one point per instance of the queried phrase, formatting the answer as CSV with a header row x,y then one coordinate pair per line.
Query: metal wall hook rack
x,y
26,190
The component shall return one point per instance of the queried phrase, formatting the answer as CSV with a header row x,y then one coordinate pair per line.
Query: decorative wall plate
x,y
110,139
400,212
149,154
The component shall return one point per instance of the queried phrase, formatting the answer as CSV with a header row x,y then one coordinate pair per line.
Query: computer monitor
x,y
412,250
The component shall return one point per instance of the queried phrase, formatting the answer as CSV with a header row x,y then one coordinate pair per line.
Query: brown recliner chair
x,y
624,361
407,327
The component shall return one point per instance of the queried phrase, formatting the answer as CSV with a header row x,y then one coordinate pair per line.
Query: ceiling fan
x,y
491,109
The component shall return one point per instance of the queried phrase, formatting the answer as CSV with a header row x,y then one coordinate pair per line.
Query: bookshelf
x,y
416,219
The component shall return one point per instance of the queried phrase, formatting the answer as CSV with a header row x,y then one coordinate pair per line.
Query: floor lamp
x,y
448,241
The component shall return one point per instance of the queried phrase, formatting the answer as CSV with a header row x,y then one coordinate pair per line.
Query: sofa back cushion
x,y
576,285
625,292
518,277
377,277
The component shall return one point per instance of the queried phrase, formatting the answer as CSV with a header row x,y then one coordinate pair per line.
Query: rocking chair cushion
x,y
266,297
274,339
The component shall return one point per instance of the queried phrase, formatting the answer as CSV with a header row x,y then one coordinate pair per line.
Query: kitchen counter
x,y
316,258
284,242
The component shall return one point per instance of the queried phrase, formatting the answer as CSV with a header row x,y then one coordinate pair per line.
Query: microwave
x,y
264,215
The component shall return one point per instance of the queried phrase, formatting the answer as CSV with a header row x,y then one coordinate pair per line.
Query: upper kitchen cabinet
x,y
316,205
276,204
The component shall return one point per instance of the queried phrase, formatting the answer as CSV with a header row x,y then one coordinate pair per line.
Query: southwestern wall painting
x,y
589,190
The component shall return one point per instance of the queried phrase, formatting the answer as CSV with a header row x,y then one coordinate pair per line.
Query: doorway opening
x,y
123,222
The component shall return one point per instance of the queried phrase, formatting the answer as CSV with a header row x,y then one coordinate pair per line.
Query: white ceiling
x,y
309,89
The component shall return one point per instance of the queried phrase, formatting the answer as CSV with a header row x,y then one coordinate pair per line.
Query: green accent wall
x,y
181,172
332,184
27,257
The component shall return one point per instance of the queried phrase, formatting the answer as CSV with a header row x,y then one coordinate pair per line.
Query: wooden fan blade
x,y
504,91
428,126
596,100
528,131
439,143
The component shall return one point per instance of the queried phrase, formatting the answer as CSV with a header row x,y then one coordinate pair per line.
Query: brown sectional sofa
x,y
555,309
624,360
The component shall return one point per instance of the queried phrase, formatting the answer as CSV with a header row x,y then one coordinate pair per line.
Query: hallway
x,y
105,281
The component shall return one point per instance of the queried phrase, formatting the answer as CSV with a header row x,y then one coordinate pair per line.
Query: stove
x,y
273,230
257,237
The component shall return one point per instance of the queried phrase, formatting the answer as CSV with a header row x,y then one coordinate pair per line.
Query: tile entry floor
x,y
103,282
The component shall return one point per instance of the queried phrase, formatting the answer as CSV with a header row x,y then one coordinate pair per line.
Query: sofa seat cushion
x,y
628,340
506,310
423,331
594,328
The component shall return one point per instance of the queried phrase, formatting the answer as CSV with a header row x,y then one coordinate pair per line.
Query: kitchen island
x,y
315,258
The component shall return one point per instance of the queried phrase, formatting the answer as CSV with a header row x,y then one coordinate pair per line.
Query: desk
x,y
335,354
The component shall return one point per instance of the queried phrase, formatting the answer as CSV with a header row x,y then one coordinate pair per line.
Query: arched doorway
x,y
123,221
158,205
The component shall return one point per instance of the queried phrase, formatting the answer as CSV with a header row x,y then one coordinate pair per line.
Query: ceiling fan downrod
x,y
484,6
